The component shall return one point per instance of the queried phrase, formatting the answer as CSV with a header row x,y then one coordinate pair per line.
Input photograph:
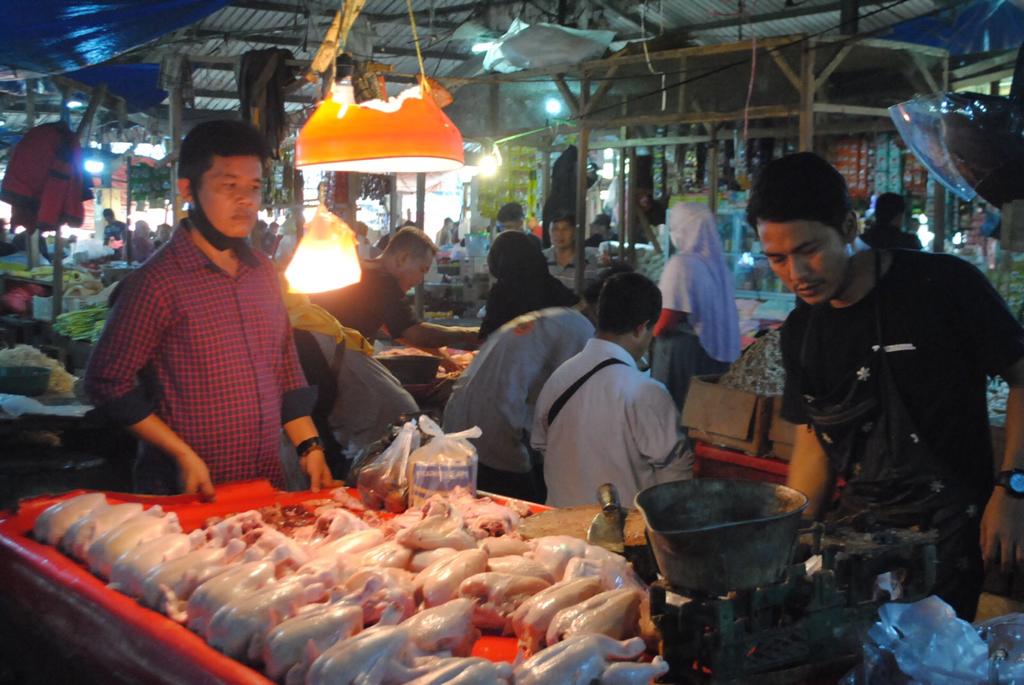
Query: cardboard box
x,y
725,417
781,433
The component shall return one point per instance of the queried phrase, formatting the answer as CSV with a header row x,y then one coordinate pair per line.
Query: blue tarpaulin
x,y
136,83
980,26
57,36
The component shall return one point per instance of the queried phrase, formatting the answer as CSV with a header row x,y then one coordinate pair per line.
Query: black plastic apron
x,y
892,477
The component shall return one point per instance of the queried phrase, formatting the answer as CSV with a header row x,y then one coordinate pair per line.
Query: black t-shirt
x,y
885,237
951,330
376,300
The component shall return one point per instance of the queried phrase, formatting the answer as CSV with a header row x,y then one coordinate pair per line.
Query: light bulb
x,y
552,106
94,166
488,165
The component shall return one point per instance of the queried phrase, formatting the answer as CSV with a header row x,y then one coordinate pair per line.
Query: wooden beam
x,y
786,70
570,100
791,13
289,41
581,193
1007,57
233,95
283,7
85,125
882,44
602,90
833,64
228,63
982,79
852,110
807,99
762,112
925,72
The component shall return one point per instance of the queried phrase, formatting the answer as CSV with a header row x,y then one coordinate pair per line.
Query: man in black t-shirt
x,y
368,398
887,356
886,229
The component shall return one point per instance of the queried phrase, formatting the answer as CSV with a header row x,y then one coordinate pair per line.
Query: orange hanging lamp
x,y
407,134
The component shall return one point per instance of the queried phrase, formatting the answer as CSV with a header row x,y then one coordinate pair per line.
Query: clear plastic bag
x,y
442,464
381,481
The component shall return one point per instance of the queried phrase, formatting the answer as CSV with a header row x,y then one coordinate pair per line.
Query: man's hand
x,y
315,466
1002,531
195,477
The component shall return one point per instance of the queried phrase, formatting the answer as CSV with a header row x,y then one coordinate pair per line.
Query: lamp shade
x,y
326,257
407,134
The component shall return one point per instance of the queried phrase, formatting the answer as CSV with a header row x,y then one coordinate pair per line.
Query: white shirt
x,y
498,390
620,427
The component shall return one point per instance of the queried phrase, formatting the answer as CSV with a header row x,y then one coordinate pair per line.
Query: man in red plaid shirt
x,y
197,357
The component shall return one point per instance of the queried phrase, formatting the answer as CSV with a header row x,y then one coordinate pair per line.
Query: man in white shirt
x,y
499,390
599,419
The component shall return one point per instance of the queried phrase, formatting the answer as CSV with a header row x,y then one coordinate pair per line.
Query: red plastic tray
x,y
715,462
133,643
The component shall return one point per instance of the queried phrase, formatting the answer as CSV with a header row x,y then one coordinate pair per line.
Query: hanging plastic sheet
x,y
39,37
980,26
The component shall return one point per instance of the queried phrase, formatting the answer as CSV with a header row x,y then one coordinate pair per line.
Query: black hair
x,y
513,211
568,217
592,293
108,212
627,301
602,220
889,206
222,138
412,241
799,187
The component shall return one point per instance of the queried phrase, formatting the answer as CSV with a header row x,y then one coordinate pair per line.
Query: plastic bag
x,y
444,463
382,481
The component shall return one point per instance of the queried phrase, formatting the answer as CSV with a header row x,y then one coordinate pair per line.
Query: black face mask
x,y
220,241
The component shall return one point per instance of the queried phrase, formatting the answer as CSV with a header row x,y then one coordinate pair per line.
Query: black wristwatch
x,y
308,445
1012,481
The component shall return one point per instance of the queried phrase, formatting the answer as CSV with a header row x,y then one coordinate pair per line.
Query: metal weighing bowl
x,y
24,380
714,536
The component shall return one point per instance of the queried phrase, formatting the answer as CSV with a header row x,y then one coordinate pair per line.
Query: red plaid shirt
x,y
210,354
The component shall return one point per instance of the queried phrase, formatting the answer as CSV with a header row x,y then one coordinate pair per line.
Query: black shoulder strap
x,y
567,395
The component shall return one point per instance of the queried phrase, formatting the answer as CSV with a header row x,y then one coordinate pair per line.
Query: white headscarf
x,y
697,281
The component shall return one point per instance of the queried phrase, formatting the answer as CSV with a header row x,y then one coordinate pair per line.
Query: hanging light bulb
x,y
408,134
326,257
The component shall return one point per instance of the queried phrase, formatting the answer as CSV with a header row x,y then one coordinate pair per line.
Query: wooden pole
x,y
807,98
712,163
421,203
395,203
939,220
621,209
58,275
631,208
583,146
30,103
174,133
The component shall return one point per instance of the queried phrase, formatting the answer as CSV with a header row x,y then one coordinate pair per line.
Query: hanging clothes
x,y
45,183
262,78
561,197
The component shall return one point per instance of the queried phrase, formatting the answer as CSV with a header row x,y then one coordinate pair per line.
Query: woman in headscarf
x,y
142,243
698,332
523,283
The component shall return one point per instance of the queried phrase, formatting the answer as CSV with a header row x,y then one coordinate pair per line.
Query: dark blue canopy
x,y
57,36
136,83
980,26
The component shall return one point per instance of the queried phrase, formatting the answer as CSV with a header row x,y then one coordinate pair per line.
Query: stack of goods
x,y
515,181
759,370
915,176
61,382
328,592
851,156
85,325
888,165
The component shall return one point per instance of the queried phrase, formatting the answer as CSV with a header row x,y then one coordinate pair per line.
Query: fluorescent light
x,y
120,148
94,166
552,106
482,47
3,122
75,104
488,165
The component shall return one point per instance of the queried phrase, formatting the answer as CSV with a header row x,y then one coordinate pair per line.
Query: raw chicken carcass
x,y
519,566
580,660
168,586
440,581
234,527
531,620
373,657
386,595
445,628
471,671
388,555
238,628
345,498
337,522
424,558
615,613
614,573
109,547
55,520
555,552
625,673
238,581
350,544
499,594
504,546
129,572
483,516
85,530
323,624
434,532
